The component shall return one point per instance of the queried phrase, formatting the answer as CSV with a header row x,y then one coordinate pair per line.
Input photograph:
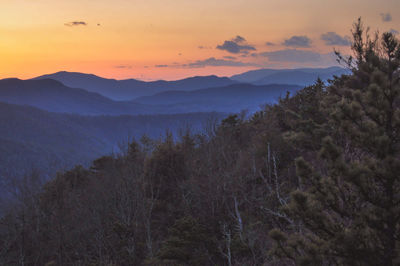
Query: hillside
x,y
33,138
232,98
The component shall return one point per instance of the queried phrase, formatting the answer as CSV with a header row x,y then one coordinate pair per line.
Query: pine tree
x,y
302,117
349,210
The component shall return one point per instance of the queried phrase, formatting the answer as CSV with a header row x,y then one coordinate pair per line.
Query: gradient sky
x,y
171,39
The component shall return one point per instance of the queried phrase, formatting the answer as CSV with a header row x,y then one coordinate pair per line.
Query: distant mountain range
x,y
299,76
228,99
53,96
131,88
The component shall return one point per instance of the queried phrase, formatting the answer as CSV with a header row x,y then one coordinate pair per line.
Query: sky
x,y
173,39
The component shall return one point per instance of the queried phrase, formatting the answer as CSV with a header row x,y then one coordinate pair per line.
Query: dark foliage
x,y
312,180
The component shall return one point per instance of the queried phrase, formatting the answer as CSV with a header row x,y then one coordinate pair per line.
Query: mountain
x,y
131,88
32,138
232,98
300,76
54,96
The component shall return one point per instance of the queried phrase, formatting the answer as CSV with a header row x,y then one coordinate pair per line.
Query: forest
x,y
311,180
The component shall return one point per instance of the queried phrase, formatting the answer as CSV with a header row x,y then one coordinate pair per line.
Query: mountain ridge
x,y
299,76
231,98
54,96
128,89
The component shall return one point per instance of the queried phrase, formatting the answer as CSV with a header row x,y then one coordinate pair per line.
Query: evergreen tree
x,y
349,210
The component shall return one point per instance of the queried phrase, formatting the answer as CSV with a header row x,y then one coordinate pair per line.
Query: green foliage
x,y
349,210
302,116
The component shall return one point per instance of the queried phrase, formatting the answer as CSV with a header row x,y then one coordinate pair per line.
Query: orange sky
x,y
160,39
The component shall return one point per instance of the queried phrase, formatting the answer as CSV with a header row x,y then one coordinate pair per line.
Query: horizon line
x,y
155,80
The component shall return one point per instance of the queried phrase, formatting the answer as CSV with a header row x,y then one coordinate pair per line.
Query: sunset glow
x,y
171,39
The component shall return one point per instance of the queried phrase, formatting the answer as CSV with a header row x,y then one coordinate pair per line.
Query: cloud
x,y
395,32
236,45
239,39
161,66
123,66
204,47
212,61
230,57
292,55
235,48
332,38
298,41
76,23
269,44
386,17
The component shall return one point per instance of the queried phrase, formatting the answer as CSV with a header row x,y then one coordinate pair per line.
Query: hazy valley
x,y
74,118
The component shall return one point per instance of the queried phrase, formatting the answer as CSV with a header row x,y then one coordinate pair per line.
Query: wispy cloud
x,y
230,57
297,41
76,23
123,66
212,61
386,17
332,38
236,45
269,44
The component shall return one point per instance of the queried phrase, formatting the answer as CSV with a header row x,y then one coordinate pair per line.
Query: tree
x,y
349,210
188,243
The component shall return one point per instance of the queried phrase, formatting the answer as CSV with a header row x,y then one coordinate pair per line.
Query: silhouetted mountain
x,y
54,96
232,98
33,138
131,88
300,76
